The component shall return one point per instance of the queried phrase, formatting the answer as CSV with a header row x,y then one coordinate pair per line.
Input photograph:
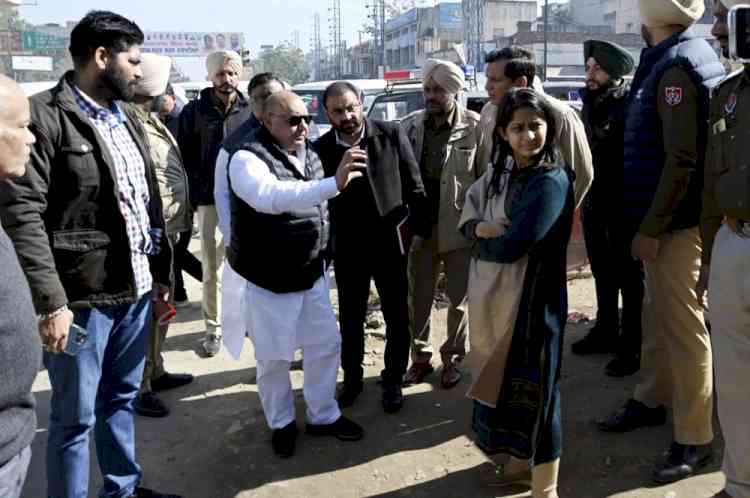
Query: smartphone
x,y
739,35
362,167
77,337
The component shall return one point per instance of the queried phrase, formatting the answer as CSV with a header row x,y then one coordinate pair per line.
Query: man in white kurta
x,y
280,322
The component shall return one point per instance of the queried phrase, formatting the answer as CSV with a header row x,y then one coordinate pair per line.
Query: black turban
x,y
614,59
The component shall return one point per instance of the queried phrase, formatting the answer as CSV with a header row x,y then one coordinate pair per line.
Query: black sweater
x,y
20,355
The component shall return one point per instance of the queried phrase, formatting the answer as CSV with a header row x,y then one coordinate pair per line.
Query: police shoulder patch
x,y
673,95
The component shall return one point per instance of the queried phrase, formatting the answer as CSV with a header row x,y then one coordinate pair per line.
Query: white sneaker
x,y
211,345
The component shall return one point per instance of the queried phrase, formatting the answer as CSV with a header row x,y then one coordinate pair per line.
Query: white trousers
x,y
729,311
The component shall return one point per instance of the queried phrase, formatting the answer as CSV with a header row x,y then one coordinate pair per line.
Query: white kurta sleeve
x,y
254,183
221,194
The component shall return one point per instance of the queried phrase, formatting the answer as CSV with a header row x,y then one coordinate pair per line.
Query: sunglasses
x,y
297,120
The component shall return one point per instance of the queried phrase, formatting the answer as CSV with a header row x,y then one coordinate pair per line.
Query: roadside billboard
x,y
197,44
32,63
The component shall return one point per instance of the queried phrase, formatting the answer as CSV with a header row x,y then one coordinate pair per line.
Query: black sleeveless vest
x,y
279,252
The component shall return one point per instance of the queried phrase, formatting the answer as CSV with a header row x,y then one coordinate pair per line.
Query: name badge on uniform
x,y
720,126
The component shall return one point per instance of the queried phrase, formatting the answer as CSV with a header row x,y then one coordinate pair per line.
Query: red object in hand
x,y
163,312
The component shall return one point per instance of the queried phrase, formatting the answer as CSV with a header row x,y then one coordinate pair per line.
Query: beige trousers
x,y
212,256
676,351
729,305
424,269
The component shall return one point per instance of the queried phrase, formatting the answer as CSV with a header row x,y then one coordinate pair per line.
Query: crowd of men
x,y
101,176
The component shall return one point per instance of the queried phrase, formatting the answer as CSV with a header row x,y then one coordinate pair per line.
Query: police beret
x,y
614,59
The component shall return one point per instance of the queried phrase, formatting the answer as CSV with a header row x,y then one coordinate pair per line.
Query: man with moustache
x,y
514,67
444,137
725,268
20,349
665,142
204,124
366,239
276,287
86,221
172,182
607,243
261,87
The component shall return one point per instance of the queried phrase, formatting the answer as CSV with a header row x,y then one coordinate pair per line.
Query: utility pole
x,y
546,24
335,34
317,46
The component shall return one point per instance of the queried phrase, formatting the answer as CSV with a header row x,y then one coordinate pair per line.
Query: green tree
x,y
287,63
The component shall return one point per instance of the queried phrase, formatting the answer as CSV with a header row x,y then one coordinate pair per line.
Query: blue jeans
x,y
96,388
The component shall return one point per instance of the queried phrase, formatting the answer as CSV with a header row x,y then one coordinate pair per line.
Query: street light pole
x,y
546,23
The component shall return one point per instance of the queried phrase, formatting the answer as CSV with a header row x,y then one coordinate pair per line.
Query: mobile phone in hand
x,y
77,337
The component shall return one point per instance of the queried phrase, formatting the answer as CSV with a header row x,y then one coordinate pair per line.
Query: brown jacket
x,y
727,171
458,171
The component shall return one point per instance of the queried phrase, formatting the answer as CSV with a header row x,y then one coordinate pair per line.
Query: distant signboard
x,y
450,15
181,44
34,40
23,63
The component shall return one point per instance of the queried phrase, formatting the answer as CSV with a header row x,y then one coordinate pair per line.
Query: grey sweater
x,y
20,355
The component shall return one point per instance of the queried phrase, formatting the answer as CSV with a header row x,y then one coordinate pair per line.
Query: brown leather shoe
x,y
451,375
417,372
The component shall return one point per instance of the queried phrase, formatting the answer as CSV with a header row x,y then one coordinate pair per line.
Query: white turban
x,y
155,77
449,76
216,61
731,3
662,13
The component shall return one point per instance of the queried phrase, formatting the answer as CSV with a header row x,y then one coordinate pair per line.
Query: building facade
x,y
487,20
413,36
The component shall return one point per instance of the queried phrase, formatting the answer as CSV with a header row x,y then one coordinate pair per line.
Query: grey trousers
x,y
729,310
13,474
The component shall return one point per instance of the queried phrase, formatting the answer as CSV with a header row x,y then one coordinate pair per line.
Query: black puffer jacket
x,y
203,127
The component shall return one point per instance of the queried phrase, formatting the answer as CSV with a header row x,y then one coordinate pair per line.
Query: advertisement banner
x,y
182,44
32,63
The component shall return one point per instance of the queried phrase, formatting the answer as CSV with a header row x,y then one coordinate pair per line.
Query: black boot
x,y
634,415
597,341
284,439
682,461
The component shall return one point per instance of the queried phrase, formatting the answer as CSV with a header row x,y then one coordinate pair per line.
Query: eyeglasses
x,y
297,120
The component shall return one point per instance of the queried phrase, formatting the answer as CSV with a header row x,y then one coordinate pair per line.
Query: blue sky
x,y
262,21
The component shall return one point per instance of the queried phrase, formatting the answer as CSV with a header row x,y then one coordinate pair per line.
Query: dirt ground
x,y
215,443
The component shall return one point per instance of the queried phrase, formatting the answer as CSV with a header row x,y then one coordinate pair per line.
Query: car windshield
x,y
396,106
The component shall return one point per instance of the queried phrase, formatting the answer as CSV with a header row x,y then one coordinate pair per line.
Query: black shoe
x,y
342,429
393,398
595,342
150,493
623,366
682,462
634,415
150,405
348,394
180,295
170,381
283,440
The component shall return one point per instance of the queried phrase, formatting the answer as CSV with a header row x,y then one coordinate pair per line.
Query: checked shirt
x,y
131,183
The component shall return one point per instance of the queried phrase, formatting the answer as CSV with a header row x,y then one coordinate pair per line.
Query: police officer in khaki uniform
x,y
444,139
665,135
725,228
